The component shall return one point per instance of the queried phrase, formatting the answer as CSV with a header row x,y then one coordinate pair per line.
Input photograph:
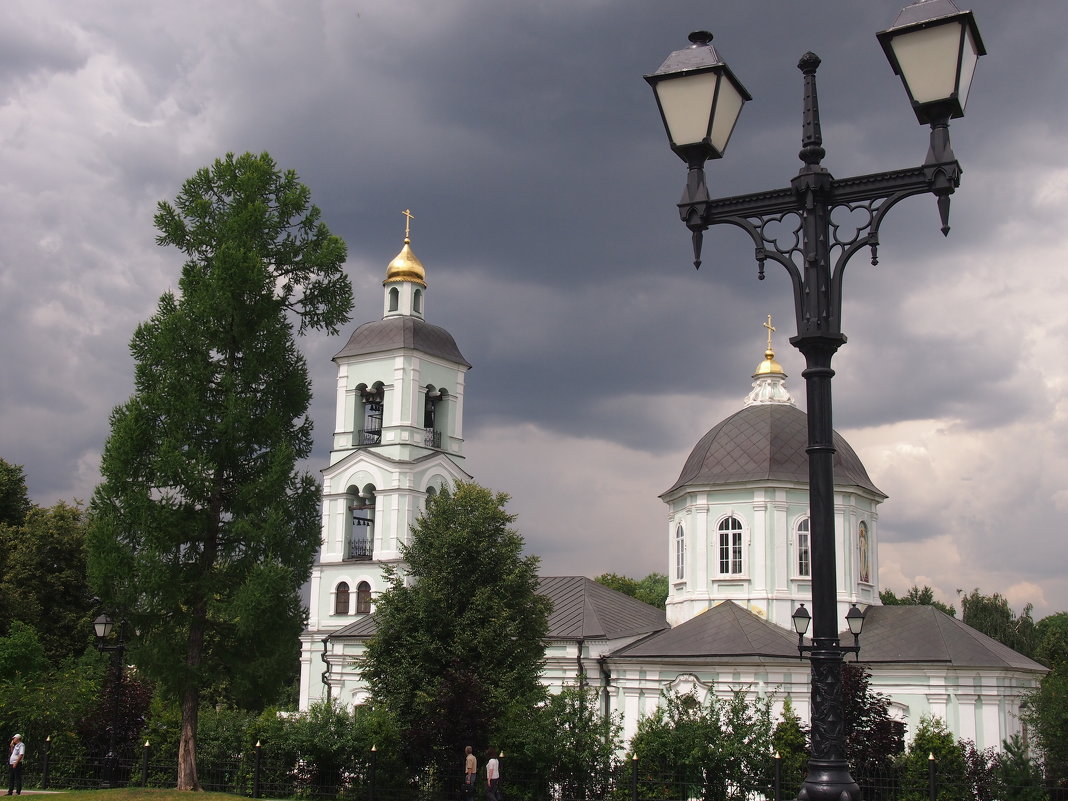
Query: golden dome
x,y
406,267
769,366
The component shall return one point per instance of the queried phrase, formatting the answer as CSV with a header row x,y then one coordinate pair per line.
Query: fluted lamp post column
x,y
103,627
934,47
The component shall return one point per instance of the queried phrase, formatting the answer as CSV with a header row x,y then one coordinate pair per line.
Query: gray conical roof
x,y
765,442
395,333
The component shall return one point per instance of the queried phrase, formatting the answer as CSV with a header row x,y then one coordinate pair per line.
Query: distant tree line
x,y
464,547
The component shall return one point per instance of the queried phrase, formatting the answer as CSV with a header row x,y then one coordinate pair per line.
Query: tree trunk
x,y
187,744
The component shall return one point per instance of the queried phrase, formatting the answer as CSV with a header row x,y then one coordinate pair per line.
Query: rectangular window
x,y
730,552
804,551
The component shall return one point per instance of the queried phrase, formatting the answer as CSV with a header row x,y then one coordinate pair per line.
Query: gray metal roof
x,y
361,628
765,442
724,631
924,634
393,333
584,609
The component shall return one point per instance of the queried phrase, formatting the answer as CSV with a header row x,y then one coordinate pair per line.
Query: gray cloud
x,y
529,148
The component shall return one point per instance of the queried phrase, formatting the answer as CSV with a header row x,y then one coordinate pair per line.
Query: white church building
x,y
736,551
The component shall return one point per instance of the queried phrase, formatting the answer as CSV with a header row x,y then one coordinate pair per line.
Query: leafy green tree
x,y
21,652
992,615
566,744
652,590
459,633
790,741
44,582
933,739
1046,711
717,750
1051,640
916,597
38,701
623,584
14,497
203,528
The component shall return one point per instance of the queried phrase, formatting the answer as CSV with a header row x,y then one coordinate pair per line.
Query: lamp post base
x,y
829,780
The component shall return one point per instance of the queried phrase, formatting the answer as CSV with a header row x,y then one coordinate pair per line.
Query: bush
x,y
934,739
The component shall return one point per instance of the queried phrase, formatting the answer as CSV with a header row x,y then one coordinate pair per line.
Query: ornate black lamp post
x,y
934,47
102,627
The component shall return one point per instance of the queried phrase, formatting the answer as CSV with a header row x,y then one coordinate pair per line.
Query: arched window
x,y
432,421
362,533
804,548
730,546
341,598
363,598
394,299
417,301
680,554
370,415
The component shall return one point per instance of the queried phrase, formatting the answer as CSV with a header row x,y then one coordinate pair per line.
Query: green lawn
x,y
140,794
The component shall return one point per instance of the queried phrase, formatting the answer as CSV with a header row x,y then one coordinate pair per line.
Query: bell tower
x,y
398,438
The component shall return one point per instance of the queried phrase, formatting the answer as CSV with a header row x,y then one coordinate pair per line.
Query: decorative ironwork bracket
x,y
815,226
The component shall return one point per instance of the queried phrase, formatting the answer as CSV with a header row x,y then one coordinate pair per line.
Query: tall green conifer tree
x,y
460,628
203,528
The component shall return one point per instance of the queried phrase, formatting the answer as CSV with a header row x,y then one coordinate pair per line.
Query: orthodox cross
x,y
771,330
408,222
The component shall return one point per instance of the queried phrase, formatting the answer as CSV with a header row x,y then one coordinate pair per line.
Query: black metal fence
x,y
264,772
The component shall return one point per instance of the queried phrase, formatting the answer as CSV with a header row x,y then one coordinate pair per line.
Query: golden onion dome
x,y
769,366
406,267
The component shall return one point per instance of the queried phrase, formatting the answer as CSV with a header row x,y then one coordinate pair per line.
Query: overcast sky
x,y
527,145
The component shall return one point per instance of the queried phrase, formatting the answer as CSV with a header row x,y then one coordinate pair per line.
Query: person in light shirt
x,y
14,765
493,777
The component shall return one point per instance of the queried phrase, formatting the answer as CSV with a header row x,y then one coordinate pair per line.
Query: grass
x,y
142,794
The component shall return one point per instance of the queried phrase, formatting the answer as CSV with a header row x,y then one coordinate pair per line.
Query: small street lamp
x,y
934,47
103,627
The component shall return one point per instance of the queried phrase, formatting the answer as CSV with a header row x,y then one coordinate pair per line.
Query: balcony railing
x,y
360,549
432,438
369,436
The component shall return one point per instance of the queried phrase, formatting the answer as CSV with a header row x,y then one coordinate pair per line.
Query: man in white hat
x,y
14,765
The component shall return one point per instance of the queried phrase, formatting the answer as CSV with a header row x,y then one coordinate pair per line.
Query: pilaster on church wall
x,y
843,551
399,407
458,421
761,570
701,538
780,533
414,401
344,402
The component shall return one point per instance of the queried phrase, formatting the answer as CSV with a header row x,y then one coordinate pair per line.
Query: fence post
x,y
634,778
256,771
932,782
778,776
374,772
144,763
44,762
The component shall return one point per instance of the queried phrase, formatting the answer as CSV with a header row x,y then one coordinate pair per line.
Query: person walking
x,y
470,773
493,777
14,765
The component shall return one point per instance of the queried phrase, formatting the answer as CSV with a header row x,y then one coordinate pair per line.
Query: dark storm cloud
x,y
529,148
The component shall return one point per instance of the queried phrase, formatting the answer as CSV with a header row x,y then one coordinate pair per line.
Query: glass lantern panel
x,y
687,103
728,106
967,66
928,61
